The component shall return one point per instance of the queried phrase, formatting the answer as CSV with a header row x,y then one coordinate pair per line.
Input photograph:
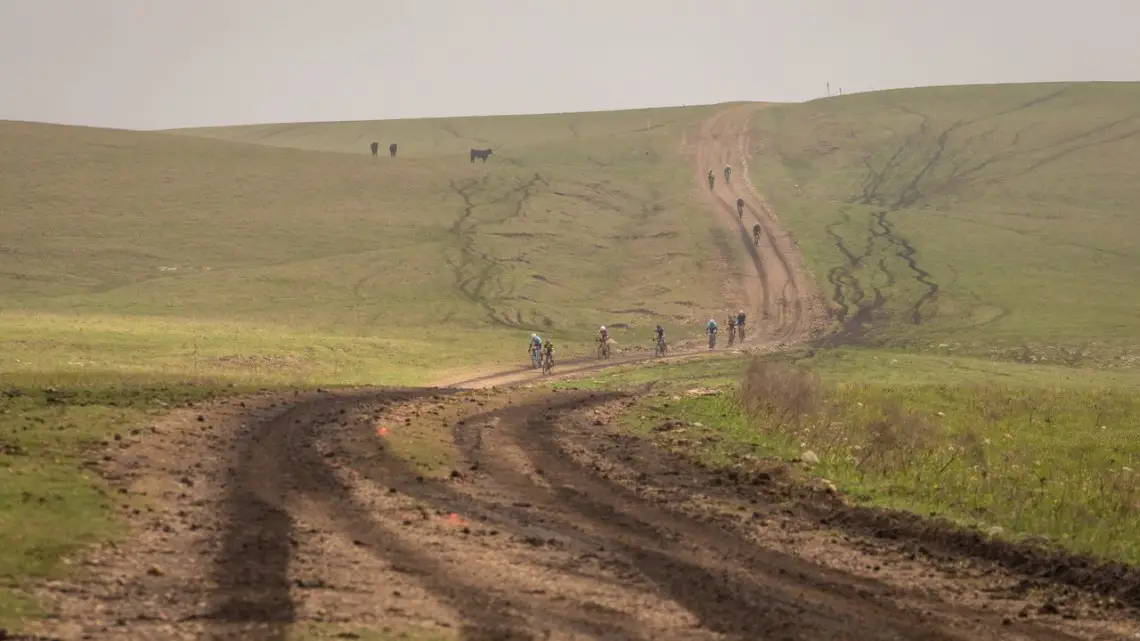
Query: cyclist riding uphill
x,y
535,348
548,350
740,318
603,334
727,173
711,328
712,178
659,333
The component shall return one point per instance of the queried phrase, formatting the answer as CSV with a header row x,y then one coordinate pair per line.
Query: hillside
x,y
183,254
988,219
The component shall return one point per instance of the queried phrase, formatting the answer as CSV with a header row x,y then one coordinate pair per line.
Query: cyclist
x,y
727,173
740,318
535,349
659,333
710,329
548,352
712,178
603,334
756,234
731,329
740,208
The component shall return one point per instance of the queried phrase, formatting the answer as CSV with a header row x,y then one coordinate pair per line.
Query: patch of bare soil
x,y
289,512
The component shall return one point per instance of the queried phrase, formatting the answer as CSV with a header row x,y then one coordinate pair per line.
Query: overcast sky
x,y
171,63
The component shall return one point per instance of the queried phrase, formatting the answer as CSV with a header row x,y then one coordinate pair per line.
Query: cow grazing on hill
x,y
375,148
480,153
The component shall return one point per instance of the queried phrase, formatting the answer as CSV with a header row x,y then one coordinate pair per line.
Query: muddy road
x,y
280,517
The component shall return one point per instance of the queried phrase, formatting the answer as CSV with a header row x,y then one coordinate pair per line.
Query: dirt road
x,y
292,516
283,516
777,284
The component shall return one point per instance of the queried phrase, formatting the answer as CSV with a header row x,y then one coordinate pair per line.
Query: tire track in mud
x,y
541,475
573,514
252,588
655,543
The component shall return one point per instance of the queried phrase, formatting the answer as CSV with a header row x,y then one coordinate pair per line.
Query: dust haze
x,y
142,64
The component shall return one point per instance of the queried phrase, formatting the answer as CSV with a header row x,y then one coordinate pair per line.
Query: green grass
x,y
1036,451
50,503
1018,201
156,252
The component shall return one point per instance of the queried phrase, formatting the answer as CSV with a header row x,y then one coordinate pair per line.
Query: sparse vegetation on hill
x,y
988,219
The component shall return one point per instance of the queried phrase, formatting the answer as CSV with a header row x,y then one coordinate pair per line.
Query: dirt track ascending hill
x,y
287,514
777,284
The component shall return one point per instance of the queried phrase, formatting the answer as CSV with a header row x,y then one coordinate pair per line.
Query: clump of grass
x,y
1057,463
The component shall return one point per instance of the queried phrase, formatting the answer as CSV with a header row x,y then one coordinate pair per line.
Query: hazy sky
x,y
171,63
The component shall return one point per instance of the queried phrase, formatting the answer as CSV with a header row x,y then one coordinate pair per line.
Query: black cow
x,y
375,148
480,153
392,150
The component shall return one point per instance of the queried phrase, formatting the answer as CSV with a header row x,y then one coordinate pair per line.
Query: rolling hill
x,y
997,220
192,253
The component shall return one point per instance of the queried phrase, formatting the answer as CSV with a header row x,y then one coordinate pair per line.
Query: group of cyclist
x,y
542,351
739,202
727,176
735,328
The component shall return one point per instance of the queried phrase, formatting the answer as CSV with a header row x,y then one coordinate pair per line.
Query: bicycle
x,y
603,348
661,347
535,358
547,363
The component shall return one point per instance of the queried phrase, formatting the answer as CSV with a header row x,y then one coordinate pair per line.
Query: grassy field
x,y
158,252
1046,451
989,220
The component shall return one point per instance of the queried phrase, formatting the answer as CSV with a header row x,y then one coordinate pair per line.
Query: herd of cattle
x,y
482,154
